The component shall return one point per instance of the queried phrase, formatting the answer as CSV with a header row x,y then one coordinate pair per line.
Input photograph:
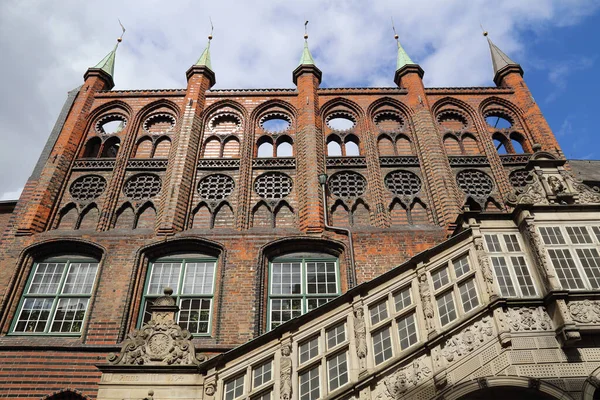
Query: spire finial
x,y
403,58
394,29
306,30
204,59
212,28
500,61
484,32
120,38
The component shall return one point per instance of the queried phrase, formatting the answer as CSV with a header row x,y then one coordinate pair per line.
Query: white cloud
x,y
47,46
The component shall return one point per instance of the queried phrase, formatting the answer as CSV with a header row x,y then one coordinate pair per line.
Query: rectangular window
x,y
337,370
509,266
407,331
192,282
309,350
378,312
263,396
566,271
440,278
468,295
578,235
402,299
234,388
336,335
552,235
590,260
461,266
382,346
261,374
309,384
56,298
299,286
446,308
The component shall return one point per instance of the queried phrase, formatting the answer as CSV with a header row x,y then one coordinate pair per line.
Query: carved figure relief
x,y
484,264
556,185
468,340
405,378
535,241
532,193
426,301
529,319
586,193
586,311
360,334
285,373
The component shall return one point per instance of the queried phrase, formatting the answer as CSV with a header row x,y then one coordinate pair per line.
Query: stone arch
x,y
214,108
231,147
418,213
495,102
340,214
452,104
398,213
389,103
68,217
284,146
591,385
452,145
385,145
469,144
212,147
162,147
501,143
201,217
284,215
89,217
143,148
125,217
66,394
92,148
522,387
115,106
360,213
264,147
262,216
352,146
339,104
110,148
403,145
334,146
273,104
148,109
519,143
146,216
223,216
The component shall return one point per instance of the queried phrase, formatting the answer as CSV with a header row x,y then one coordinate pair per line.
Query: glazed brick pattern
x,y
38,366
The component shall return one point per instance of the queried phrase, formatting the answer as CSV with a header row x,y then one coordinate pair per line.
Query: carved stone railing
x,y
279,162
461,161
514,159
147,164
219,163
399,161
337,162
94,163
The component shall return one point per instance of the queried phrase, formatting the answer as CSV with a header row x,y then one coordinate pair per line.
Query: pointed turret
x,y
203,65
307,63
404,64
502,63
105,69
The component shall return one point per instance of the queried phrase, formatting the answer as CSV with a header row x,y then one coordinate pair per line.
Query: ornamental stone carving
x,y
586,193
535,241
405,379
468,340
529,319
484,264
427,304
285,372
161,341
360,335
532,193
586,311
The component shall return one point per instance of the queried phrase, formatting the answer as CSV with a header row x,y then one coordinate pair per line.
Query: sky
x,y
46,48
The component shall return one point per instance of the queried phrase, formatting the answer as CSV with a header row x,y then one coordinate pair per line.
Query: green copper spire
x,y
403,58
204,60
306,58
107,64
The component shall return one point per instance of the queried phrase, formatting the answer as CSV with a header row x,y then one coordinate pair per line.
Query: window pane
x,y
337,369
147,313
46,278
552,235
164,275
579,235
378,312
198,278
234,388
283,310
309,350
493,244
565,269
321,278
382,345
286,278
261,374
263,396
596,230
309,384
505,283
194,315
468,295
402,299
446,308
80,278
315,302
461,266
34,315
407,331
336,335
523,276
591,265
512,243
440,278
69,315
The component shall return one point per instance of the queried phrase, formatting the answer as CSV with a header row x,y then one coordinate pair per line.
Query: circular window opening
x,y
275,123
110,124
498,121
340,122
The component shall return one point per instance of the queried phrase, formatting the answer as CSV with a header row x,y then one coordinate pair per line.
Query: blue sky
x,y
47,46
